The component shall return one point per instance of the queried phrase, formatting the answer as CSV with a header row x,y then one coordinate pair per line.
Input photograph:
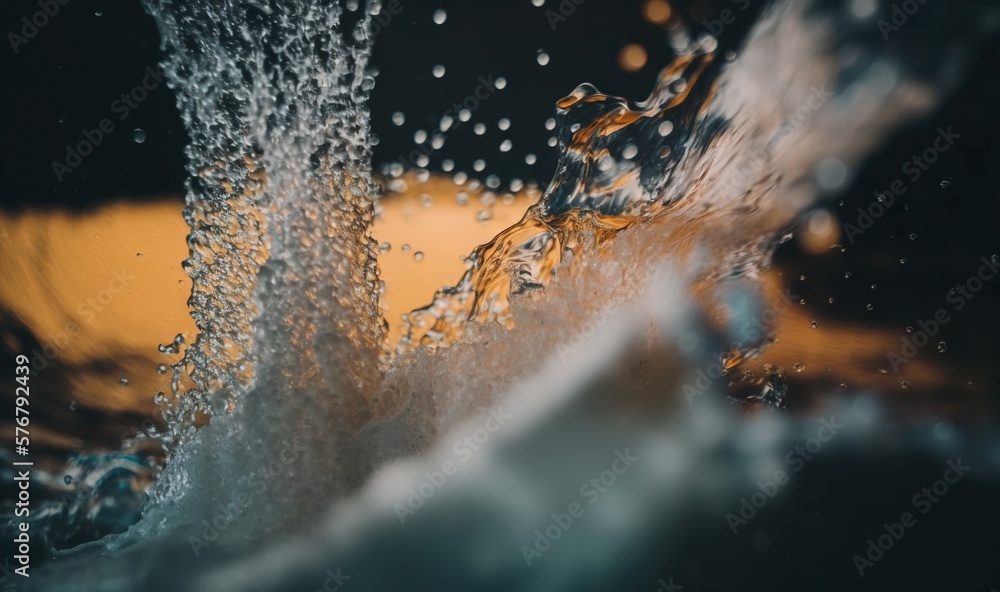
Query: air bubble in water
x,y
814,324
419,255
123,381
504,124
506,145
665,128
543,58
798,367
942,347
384,248
138,135
68,479
440,17
913,236
870,307
479,129
530,159
398,118
438,71
905,384
161,369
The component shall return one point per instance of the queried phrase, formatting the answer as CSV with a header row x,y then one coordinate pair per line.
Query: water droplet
x,y
504,124
440,17
72,406
945,184
506,145
870,307
905,384
543,58
550,123
874,287
484,216
68,479
802,278
419,255
405,248
913,236
847,275
500,83
438,71
479,165
883,371
123,381
161,369
909,329
398,118
530,159
139,135
798,367
419,136
665,128
942,347
384,248
814,324
903,261
139,256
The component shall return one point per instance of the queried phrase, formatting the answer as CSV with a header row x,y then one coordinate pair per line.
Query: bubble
x,y
942,347
506,145
831,174
657,11
479,129
161,369
398,118
902,261
945,184
464,115
830,301
905,384
426,200
870,307
139,256
847,275
420,136
419,255
665,128
542,58
632,57
484,216
405,248
550,123
813,324
909,329
504,124
913,236
500,83
537,2
447,165
68,479
123,381
479,165
802,278
863,9
462,198
72,406
440,17
874,287
438,71
138,135
630,151
530,159
798,367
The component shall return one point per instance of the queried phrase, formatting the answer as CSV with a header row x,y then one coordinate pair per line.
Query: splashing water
x,y
291,364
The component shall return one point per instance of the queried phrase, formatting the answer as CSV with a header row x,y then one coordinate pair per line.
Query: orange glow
x,y
632,57
657,11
